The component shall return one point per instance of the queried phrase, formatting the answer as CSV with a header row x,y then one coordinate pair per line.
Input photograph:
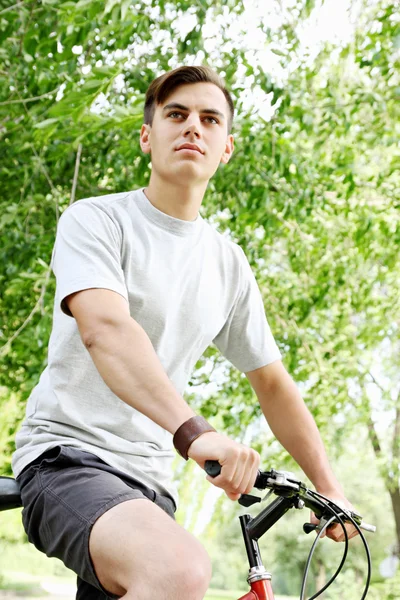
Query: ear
x,y
145,138
229,148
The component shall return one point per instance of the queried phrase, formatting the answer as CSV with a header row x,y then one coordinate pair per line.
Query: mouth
x,y
189,148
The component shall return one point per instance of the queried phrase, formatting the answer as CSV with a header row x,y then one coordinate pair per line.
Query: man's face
x,y
189,135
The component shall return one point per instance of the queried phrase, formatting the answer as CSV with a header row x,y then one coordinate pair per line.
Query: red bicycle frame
x,y
260,590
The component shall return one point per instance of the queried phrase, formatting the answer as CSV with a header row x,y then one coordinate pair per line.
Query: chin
x,y
185,173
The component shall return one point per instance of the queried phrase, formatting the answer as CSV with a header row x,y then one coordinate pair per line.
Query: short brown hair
x,y
162,87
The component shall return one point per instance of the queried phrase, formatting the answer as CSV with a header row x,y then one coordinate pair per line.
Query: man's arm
x,y
125,358
292,423
295,428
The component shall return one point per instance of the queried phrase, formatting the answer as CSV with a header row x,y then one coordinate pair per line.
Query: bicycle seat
x,y
10,496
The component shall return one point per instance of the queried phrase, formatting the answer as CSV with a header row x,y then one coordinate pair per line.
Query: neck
x,y
174,199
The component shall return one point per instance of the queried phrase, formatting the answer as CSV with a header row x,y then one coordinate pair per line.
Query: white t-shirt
x,y
187,286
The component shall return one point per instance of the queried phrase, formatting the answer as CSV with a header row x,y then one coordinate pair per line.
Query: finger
x,y
230,465
221,484
233,496
226,477
352,533
336,533
254,463
250,472
240,477
217,481
241,474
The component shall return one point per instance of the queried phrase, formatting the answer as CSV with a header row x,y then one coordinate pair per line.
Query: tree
x,y
311,194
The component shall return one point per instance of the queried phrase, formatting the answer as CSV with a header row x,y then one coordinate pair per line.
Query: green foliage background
x,y
312,195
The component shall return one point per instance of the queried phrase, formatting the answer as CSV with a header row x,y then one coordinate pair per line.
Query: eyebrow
x,y
209,111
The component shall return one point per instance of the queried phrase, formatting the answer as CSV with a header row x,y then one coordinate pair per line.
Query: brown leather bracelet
x,y
189,431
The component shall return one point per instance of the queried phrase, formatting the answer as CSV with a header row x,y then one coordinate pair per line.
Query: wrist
x,y
323,478
329,488
188,432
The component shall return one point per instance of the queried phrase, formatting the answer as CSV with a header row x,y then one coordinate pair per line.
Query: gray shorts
x,y
63,493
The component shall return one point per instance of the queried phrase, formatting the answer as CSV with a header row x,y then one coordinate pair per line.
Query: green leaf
x,y
46,123
109,6
91,84
125,8
278,52
82,4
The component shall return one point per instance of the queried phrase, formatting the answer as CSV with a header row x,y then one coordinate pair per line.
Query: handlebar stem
x,y
268,517
251,545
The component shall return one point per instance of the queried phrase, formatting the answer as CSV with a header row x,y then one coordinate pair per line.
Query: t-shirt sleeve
x,y
246,339
87,253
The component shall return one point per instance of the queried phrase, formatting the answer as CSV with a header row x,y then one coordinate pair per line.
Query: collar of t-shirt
x,y
171,224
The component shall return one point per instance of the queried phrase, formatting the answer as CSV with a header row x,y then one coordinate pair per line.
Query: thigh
x,y
138,550
63,495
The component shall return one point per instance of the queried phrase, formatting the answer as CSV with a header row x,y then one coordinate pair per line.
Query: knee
x,y
185,575
195,574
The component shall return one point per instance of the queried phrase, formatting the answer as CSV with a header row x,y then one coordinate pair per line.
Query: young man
x,y
144,285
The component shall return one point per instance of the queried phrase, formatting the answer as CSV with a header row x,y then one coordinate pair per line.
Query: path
x,y
50,591
14,595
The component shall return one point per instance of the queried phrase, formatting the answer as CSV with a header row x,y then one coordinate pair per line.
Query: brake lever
x,y
248,500
309,527
344,515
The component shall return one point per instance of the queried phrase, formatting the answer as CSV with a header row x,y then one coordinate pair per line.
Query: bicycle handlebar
x,y
292,493
287,485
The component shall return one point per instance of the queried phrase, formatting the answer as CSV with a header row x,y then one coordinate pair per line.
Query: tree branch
x,y
372,433
21,42
76,173
43,168
4,349
24,100
378,385
373,436
49,181
11,7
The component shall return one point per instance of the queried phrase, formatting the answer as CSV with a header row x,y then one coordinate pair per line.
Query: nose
x,y
192,129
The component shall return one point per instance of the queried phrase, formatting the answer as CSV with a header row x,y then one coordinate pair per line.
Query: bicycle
x,y
292,493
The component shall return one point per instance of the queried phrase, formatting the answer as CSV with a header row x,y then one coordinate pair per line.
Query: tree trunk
x,y
395,498
394,489
391,484
320,579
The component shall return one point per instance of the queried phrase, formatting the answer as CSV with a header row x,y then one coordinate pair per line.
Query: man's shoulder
x,y
111,207
225,242
107,201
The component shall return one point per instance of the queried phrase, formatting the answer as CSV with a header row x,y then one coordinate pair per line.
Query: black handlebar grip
x,y
309,527
212,468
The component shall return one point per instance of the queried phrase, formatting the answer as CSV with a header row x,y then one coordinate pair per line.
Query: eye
x,y
175,114
212,120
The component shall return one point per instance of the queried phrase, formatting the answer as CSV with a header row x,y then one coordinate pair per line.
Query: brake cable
x,y
317,539
333,508
330,504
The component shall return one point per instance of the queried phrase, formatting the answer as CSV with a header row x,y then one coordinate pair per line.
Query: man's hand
x,y
335,532
239,463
